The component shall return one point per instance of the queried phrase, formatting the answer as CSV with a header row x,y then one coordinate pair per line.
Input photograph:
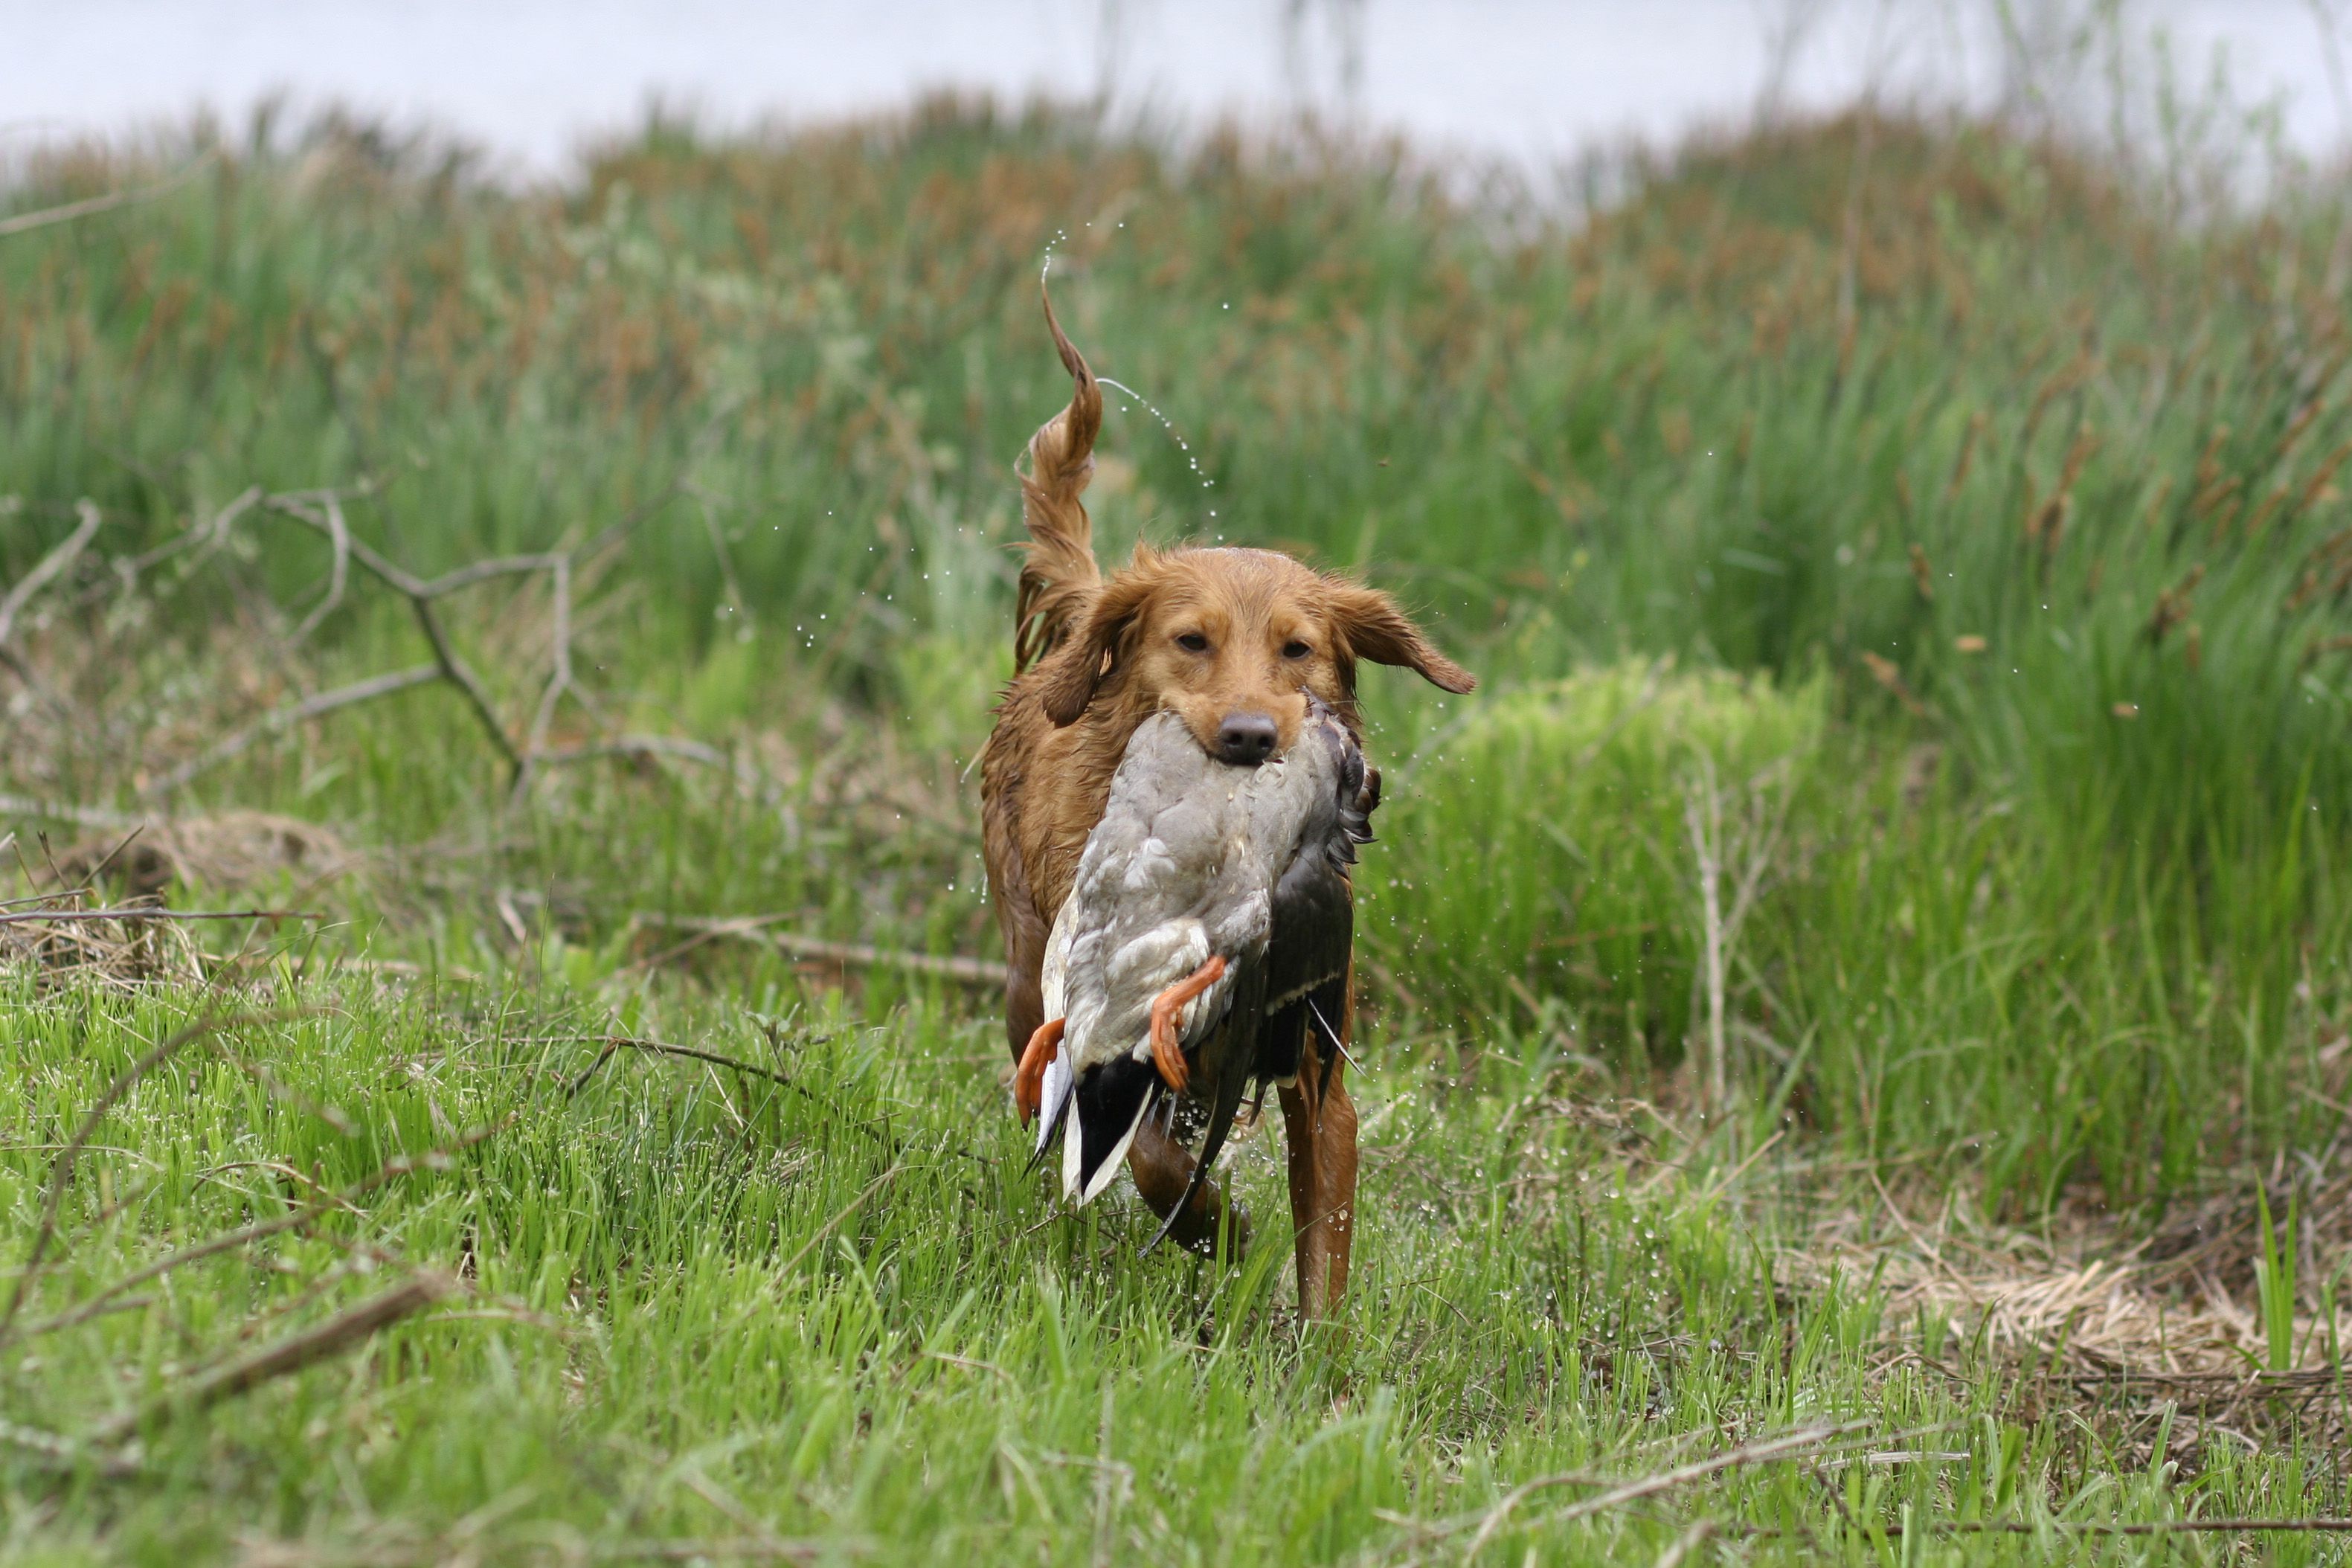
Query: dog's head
x,y
1231,640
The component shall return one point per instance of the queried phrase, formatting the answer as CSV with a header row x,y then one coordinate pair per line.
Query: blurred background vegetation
x,y
1944,513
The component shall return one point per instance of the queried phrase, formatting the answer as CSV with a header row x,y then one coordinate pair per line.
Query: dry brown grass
x,y
232,851
2104,1315
113,954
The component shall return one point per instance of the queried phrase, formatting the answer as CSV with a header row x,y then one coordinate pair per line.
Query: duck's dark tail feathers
x,y
1105,1107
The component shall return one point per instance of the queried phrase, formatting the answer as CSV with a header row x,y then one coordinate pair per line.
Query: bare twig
x,y
89,206
321,510
1703,818
614,1043
1748,851
89,877
462,676
1688,1541
2309,1526
1762,1451
60,811
1786,1445
109,1299
857,955
286,1355
61,1172
293,713
65,1452
209,534
49,567
558,680
339,534
146,913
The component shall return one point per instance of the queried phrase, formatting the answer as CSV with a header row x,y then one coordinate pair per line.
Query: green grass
x,y
1657,433
702,1305
1975,531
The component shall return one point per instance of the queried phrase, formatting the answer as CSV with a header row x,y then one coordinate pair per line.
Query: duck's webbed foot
x,y
1029,1078
1166,1050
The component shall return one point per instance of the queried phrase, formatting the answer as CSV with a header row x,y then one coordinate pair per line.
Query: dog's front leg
x,y
1318,1123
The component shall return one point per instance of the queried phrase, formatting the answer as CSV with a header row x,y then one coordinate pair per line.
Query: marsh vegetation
x,y
1859,1026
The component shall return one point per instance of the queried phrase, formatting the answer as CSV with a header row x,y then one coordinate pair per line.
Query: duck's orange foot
x,y
1166,1052
1029,1078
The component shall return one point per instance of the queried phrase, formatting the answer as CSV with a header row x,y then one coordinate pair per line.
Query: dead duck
x,y
1208,930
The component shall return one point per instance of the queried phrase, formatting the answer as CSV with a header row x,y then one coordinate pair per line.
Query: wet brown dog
x,y
1229,639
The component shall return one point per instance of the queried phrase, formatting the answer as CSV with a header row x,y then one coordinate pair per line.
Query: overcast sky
x,y
1523,79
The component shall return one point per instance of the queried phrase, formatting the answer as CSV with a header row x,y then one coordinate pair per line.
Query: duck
x,y
1207,932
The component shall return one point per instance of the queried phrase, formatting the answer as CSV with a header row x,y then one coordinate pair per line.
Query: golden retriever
x,y
1229,640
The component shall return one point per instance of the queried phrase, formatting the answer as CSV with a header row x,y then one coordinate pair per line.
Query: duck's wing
x,y
1314,923
1123,917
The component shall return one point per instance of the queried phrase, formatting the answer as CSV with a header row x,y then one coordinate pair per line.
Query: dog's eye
x,y
1295,650
1192,642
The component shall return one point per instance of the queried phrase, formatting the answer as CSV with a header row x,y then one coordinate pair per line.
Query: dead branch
x,y
616,1043
675,746
210,535
285,718
1703,819
90,206
227,1241
65,1452
1785,1444
49,567
1747,850
855,956
151,912
2313,1526
462,676
1688,1541
60,811
61,1172
286,1355
340,535
322,510
559,680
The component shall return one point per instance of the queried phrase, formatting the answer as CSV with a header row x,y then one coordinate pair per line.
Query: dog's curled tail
x,y
1059,574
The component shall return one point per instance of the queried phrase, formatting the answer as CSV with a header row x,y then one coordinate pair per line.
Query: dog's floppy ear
x,y
1068,676
1372,627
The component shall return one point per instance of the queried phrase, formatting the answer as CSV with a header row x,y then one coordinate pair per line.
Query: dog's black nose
x,y
1245,739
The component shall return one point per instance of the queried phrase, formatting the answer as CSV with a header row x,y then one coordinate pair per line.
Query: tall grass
x,y
2014,506
710,1314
